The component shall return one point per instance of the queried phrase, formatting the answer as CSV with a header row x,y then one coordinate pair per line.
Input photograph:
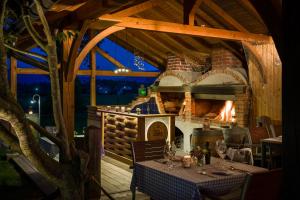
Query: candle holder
x,y
123,109
186,161
138,111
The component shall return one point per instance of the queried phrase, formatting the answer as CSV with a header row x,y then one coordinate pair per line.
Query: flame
x,y
227,113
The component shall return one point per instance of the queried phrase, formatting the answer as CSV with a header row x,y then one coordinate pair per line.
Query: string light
x,y
139,61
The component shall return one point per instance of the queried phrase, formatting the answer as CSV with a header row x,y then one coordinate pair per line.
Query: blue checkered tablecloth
x,y
157,181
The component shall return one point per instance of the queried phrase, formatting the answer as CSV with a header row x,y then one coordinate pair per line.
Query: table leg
x,y
133,193
263,154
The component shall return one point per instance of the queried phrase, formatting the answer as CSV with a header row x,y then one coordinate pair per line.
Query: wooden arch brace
x,y
261,65
91,44
74,50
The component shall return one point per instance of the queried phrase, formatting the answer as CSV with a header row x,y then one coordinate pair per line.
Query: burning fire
x,y
227,113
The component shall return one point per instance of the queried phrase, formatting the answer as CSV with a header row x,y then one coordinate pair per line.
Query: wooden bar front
x,y
118,129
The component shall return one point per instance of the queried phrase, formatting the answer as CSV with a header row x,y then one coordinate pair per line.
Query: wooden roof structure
x,y
156,28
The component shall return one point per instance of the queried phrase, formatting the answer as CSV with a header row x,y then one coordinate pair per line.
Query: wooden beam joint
x,y
189,11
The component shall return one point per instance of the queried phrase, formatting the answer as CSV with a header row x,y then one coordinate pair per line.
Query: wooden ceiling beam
x,y
111,73
137,8
67,5
109,58
167,27
189,9
36,71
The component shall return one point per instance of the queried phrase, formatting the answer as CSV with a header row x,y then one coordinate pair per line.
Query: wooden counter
x,y
118,129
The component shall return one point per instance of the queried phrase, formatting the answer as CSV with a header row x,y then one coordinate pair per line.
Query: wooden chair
x,y
266,122
264,185
147,150
238,140
257,186
257,133
273,155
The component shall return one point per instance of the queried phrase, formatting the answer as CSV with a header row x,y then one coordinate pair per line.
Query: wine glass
x,y
168,156
221,148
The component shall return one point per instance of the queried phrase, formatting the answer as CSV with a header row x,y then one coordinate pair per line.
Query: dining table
x,y
162,182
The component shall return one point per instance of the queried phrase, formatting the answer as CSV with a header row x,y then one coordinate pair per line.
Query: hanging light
x,y
121,70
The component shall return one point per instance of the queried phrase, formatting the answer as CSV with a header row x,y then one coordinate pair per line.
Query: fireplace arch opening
x,y
179,138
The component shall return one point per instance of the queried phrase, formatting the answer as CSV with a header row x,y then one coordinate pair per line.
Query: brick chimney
x,y
183,63
222,58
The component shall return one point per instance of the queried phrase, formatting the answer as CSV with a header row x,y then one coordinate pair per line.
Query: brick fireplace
x,y
203,88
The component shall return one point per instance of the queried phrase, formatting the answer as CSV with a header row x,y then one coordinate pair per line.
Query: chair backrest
x,y
267,123
258,133
147,150
237,136
263,185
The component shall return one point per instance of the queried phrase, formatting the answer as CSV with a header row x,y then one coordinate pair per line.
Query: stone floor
x,y
116,178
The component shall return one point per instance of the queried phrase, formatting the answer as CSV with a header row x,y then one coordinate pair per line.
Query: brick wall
x,y
222,58
183,63
242,109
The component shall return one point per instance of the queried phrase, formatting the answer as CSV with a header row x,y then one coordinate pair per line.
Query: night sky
x,y
119,53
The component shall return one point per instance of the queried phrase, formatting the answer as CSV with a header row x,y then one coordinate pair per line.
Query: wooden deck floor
x,y
116,178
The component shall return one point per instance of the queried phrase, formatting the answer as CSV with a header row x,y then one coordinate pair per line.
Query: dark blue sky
x,y
119,53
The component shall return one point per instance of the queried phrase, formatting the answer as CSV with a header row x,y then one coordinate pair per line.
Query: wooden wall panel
x,y
266,97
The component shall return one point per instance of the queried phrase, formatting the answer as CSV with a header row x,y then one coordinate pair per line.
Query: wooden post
x,y
93,74
13,76
141,129
94,149
69,106
172,128
68,93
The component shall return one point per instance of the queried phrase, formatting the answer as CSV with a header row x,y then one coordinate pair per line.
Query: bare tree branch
x,y
26,52
29,60
43,20
45,133
9,139
55,86
33,32
28,144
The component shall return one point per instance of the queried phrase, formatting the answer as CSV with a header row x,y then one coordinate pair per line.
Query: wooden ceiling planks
x,y
141,44
229,19
201,46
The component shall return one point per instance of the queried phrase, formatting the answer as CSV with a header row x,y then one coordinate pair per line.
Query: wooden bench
x,y
48,189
